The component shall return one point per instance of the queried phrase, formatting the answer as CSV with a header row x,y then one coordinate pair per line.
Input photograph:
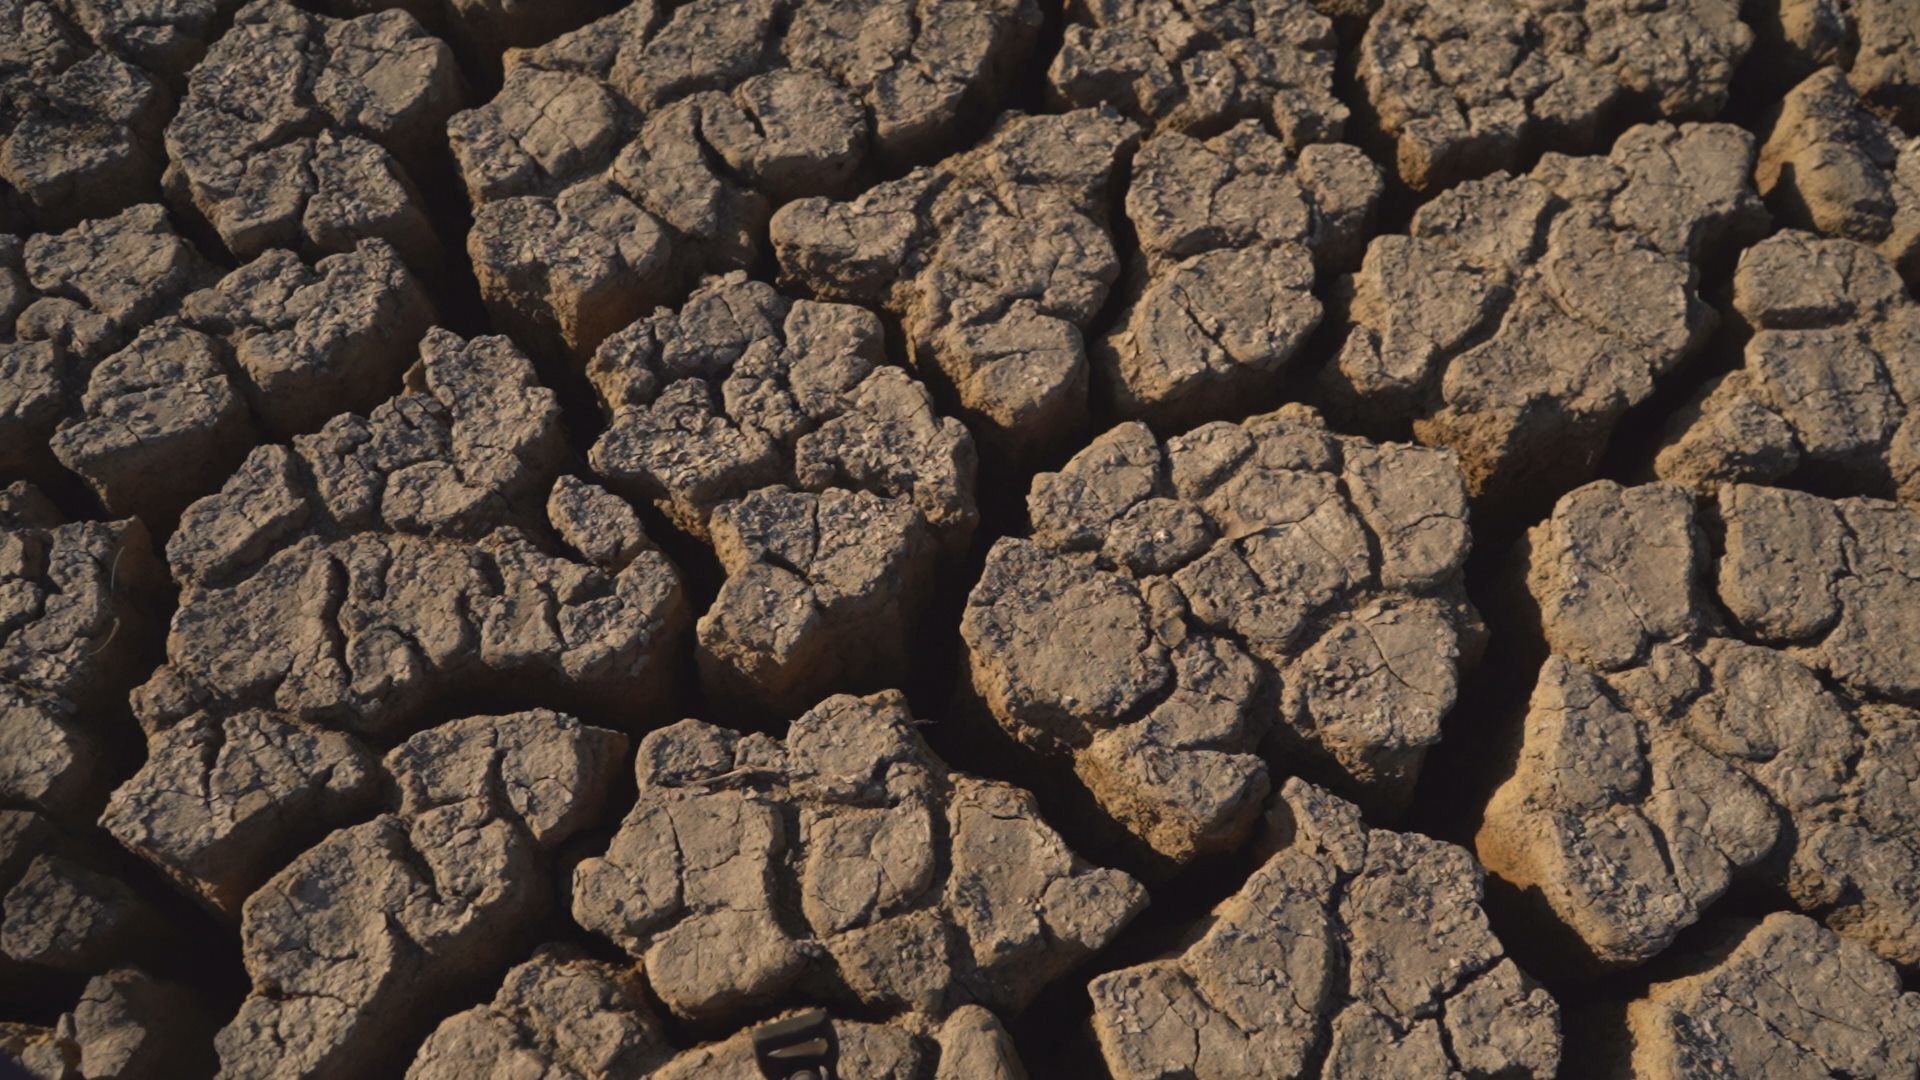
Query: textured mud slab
x,y
298,131
138,366
622,161
828,859
1830,164
1823,390
85,87
1729,697
1188,611
1350,952
823,477
1464,87
387,559
563,1014
1522,316
971,538
1786,999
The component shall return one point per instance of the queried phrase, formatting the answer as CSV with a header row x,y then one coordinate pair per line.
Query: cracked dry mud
x,y
965,539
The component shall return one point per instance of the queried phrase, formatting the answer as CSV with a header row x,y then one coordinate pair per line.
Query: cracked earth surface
x,y
1164,539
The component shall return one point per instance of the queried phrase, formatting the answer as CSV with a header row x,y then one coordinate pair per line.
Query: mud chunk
x,y
1200,69
151,413
85,88
153,389
349,578
561,1014
1230,232
65,913
919,890
729,415
651,145
348,945
599,525
313,341
1831,165
1669,754
1786,998
298,131
550,771
1189,611
1463,88
971,1043
221,803
558,1014
127,1025
822,591
62,914
1522,316
488,27
1351,952
76,297
77,612
1830,369
41,1051
995,261
1875,41
741,387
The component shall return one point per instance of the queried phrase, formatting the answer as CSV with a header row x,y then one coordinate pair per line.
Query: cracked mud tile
x,y
1785,999
1461,88
995,261
1232,233
1829,164
822,476
1352,952
1199,69
845,865
622,162
85,88
310,133
1824,393
1729,698
78,610
561,1013
350,945
1876,42
126,1025
1192,615
1522,316
136,365
354,576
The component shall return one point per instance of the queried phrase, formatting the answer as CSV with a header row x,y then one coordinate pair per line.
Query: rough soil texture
x,y
622,160
823,477
1828,374
1188,611
85,87
1522,316
357,574
137,366
1350,952
1874,41
1199,69
1831,165
748,865
1728,697
298,131
1787,999
562,1014
1464,87
952,539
